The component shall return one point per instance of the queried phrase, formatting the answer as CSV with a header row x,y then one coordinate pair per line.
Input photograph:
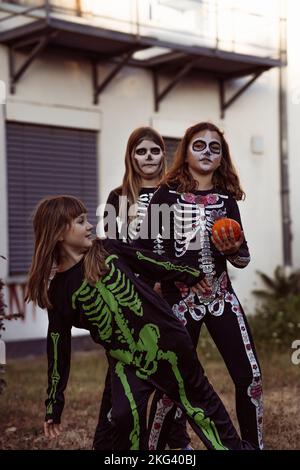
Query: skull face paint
x,y
148,158
205,152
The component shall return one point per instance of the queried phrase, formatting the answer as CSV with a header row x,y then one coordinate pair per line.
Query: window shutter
x,y
43,161
171,146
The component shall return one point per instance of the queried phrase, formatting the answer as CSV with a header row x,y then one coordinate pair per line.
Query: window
x,y
43,161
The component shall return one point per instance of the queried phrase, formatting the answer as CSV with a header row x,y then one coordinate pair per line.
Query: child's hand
x,y
227,244
51,429
202,287
183,288
157,289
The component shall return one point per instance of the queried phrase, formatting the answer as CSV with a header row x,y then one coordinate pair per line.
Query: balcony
x,y
215,38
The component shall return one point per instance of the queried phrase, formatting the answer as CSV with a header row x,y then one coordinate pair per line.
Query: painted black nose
x,y
149,157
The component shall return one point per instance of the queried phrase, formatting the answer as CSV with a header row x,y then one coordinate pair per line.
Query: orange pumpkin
x,y
226,223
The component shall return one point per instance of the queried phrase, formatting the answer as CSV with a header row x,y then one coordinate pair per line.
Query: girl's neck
x,y
204,182
68,259
150,182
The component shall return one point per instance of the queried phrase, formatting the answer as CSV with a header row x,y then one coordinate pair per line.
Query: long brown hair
x,y
94,262
132,180
224,178
52,216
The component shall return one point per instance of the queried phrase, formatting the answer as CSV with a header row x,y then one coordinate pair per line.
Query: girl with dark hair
x,y
201,187
145,165
95,288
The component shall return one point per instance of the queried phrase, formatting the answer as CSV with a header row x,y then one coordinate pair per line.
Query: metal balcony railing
x,y
210,37
217,24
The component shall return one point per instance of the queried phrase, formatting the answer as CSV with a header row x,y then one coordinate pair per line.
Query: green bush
x,y
282,285
4,317
276,323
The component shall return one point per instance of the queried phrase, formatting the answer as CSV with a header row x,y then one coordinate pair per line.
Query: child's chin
x,y
87,245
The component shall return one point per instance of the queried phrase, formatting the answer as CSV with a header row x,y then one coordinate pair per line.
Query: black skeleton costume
x,y
186,236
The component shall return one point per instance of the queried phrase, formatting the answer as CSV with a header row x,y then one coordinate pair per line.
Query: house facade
x,y
78,76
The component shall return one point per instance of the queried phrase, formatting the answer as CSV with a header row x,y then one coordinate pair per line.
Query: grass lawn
x,y
22,410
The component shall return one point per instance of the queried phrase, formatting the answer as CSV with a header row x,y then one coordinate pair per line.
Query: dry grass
x,y
22,411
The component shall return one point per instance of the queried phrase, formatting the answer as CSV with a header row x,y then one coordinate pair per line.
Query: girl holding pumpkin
x,y
200,188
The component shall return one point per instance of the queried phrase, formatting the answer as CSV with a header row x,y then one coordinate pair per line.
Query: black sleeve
x,y
156,267
59,357
241,258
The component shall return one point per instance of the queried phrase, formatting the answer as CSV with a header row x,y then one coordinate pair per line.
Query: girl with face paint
x,y
144,168
95,288
201,187
127,204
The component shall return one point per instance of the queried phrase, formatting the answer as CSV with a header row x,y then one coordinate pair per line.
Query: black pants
x,y
177,435
103,438
188,387
231,334
129,399
167,424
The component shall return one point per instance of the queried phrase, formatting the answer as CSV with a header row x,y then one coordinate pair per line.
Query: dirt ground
x,y
22,409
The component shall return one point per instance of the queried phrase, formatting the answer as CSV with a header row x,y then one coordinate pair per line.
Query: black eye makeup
x,y
215,147
142,151
200,145
155,150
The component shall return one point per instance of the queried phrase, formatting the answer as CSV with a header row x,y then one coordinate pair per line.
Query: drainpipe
x,y
283,145
47,5
78,8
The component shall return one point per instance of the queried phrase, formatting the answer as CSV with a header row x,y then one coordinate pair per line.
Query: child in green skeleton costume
x,y
95,288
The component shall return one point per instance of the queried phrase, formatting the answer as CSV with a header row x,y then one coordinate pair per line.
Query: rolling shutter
x,y
43,161
171,146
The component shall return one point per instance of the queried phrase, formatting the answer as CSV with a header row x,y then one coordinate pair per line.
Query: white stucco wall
x,y
294,122
57,90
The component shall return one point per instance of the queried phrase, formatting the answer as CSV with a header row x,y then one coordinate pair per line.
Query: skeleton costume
x,y
104,434
146,344
192,216
178,436
130,231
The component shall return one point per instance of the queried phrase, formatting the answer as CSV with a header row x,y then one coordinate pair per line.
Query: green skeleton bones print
x,y
140,333
103,305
